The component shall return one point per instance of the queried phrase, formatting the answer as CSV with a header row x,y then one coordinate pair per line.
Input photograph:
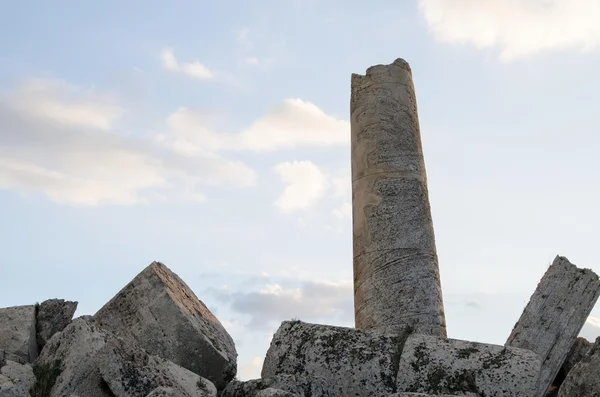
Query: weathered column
x,y
555,315
396,276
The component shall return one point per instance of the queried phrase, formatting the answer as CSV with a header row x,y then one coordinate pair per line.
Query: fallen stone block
x,y
17,332
53,315
554,317
15,379
163,316
584,378
165,392
435,365
282,385
404,394
66,364
131,372
347,359
579,349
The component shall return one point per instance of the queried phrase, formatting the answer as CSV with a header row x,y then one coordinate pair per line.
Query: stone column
x,y
396,276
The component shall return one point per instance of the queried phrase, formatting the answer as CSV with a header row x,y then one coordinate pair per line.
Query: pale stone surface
x,y
17,331
131,372
302,386
270,392
396,276
349,360
162,314
165,392
584,378
434,365
53,316
75,347
15,379
555,315
401,394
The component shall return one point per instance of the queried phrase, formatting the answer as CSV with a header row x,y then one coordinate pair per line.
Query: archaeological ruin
x,y
156,338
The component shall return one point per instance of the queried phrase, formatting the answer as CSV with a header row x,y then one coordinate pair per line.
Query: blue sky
x,y
214,137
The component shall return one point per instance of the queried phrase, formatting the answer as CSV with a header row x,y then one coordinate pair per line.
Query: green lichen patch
x,y
45,378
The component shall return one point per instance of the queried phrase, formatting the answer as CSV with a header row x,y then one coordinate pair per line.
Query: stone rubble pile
x,y
155,338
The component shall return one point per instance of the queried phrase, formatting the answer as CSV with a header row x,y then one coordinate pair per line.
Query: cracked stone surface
x,y
352,362
396,275
554,316
435,365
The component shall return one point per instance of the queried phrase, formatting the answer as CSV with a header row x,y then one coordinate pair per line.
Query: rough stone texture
x,y
301,386
75,347
160,312
165,392
436,365
15,379
131,372
579,349
555,315
584,379
352,362
401,394
17,331
53,316
270,392
396,276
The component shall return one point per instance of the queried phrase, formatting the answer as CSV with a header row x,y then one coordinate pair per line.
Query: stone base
x,y
354,362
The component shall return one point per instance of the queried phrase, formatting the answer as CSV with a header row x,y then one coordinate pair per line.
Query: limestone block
x,y
349,360
73,351
17,331
396,275
160,312
584,377
436,365
165,392
15,379
131,372
404,394
270,392
281,385
53,316
555,315
579,349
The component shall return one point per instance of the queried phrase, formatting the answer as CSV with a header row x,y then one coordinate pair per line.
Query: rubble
x,y
162,315
53,315
17,332
555,315
434,365
584,377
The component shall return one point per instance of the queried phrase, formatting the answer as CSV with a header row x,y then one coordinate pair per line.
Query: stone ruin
x,y
156,338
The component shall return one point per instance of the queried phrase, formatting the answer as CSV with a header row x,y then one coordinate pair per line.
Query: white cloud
x,y
193,69
344,210
293,123
305,185
519,28
251,61
251,369
55,100
61,141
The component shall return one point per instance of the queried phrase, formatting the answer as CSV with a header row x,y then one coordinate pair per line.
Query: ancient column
x,y
554,316
396,276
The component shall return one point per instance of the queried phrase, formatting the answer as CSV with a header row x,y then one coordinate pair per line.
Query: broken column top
x,y
398,62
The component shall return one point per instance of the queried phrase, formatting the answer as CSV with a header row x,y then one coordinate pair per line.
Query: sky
x,y
213,136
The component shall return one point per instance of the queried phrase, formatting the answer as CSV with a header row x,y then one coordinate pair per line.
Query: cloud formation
x,y
291,124
276,301
519,28
305,184
63,141
193,69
